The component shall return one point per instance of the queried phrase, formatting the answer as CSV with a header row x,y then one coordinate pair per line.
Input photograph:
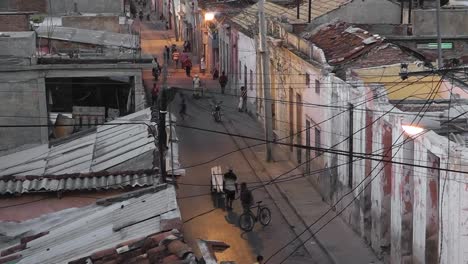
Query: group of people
x,y
230,187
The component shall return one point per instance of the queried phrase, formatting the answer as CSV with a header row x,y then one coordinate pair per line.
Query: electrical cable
x,y
339,200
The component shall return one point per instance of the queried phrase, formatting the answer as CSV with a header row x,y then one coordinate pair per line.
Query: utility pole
x,y
197,30
298,7
266,79
310,11
162,123
175,21
351,146
439,38
172,149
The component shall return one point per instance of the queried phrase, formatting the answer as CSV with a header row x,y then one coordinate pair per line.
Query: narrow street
x,y
197,147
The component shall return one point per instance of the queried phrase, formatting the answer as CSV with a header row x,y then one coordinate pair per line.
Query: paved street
x,y
198,147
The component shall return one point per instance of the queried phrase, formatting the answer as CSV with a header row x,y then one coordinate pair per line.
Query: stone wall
x,y
104,23
452,22
86,6
23,102
24,5
14,22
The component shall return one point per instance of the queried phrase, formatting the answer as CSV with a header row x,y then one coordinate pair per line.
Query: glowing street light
x,y
209,16
412,130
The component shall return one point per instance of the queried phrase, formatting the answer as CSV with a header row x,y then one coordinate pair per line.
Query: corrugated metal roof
x,y
101,150
73,182
76,238
248,16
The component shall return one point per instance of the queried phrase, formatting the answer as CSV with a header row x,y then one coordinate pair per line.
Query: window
x,y
317,142
317,86
307,79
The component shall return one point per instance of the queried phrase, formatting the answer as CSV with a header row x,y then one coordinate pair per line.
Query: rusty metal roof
x,y
341,42
77,181
105,229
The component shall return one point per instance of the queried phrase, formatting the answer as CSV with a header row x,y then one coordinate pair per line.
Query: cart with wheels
x,y
217,191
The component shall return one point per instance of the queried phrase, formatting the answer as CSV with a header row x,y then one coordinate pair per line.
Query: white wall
x,y
247,57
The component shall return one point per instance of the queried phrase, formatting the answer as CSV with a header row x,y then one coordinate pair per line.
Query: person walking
x,y
175,57
243,100
155,94
183,107
196,85
202,66
223,81
215,74
166,53
185,45
246,197
188,67
230,187
156,68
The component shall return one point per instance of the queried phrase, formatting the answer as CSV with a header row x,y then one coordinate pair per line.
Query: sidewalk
x,y
337,240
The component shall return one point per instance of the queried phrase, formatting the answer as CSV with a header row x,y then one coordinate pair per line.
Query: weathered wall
x,y
24,5
248,60
452,22
18,48
86,6
18,22
104,23
23,102
363,12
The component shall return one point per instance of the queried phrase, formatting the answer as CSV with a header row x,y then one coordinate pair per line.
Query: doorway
x,y
308,151
291,119
386,215
299,126
432,208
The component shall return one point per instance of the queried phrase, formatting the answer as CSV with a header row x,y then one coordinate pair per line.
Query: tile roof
x,y
132,228
247,18
96,37
342,42
73,182
105,148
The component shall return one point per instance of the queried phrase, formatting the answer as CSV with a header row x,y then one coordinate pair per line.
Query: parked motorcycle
x,y
216,111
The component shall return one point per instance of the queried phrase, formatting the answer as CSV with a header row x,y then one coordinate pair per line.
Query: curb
x,y
283,194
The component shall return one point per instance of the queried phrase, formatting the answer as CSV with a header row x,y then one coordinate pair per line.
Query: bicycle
x,y
247,219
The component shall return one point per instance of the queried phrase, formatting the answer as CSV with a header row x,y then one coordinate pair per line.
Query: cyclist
x,y
230,187
246,197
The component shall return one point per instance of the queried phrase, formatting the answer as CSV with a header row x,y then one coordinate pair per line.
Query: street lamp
x,y
412,130
209,16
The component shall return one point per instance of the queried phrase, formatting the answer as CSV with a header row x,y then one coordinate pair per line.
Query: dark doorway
x,y
308,151
432,208
299,126
386,213
291,119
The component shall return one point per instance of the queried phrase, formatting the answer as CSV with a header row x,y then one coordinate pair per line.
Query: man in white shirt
x,y
230,187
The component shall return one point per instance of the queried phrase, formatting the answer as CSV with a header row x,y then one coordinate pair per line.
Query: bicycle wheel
x,y
246,221
264,216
